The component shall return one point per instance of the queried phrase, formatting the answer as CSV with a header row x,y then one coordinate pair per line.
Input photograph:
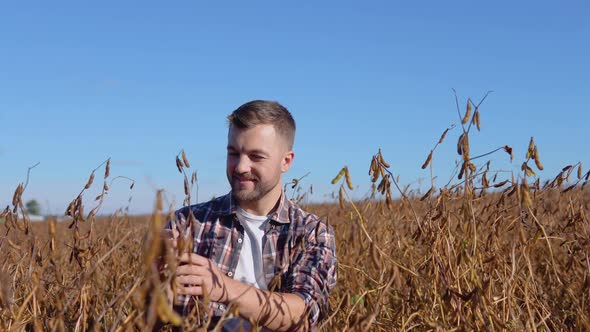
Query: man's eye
x,y
256,157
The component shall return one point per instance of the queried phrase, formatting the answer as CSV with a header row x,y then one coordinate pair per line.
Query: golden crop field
x,y
477,254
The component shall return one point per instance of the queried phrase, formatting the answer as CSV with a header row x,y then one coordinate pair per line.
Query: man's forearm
x,y
276,311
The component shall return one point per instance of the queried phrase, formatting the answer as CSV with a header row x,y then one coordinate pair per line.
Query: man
x,y
253,248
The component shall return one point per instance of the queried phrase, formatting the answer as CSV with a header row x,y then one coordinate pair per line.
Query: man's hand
x,y
277,311
197,275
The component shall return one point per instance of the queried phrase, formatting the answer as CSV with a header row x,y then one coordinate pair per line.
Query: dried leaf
x,y
569,188
509,151
498,185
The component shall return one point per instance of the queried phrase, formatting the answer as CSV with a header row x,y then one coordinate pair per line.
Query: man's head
x,y
259,150
258,112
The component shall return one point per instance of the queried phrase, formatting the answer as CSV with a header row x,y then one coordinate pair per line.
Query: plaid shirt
x,y
298,250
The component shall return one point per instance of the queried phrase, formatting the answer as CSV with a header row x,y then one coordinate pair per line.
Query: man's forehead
x,y
262,137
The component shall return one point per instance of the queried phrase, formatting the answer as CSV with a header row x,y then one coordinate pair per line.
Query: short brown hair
x,y
265,112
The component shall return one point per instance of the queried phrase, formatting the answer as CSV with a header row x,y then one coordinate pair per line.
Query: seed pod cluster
x,y
384,185
378,164
465,167
16,198
346,173
533,153
375,170
463,146
527,170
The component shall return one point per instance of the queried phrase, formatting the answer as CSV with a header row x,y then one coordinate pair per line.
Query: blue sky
x,y
139,81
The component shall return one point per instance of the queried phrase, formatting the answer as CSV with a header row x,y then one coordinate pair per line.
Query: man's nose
x,y
243,165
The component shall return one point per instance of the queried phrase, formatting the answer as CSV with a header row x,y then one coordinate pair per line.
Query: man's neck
x,y
264,206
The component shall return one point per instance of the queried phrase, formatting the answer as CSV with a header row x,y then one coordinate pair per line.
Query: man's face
x,y
256,159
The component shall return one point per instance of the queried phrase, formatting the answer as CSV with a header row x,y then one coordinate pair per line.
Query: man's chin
x,y
244,195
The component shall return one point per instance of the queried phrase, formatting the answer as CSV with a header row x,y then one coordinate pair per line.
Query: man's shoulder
x,y
217,206
305,219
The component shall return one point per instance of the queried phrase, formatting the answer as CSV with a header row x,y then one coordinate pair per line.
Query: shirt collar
x,y
280,214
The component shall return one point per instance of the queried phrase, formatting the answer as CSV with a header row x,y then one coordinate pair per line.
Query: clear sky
x,y
138,81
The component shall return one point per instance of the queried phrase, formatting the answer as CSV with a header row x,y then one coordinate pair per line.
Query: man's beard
x,y
242,195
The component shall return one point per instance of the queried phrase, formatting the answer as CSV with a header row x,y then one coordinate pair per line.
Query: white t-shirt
x,y
250,269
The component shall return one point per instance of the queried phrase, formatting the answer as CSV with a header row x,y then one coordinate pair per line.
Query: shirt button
x,y
240,240
220,307
230,274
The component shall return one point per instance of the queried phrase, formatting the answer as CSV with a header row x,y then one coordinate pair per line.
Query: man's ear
x,y
287,161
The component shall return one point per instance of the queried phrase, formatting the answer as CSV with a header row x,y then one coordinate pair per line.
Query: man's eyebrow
x,y
254,151
257,151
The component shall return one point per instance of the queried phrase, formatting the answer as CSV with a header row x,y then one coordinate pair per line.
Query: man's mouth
x,y
244,180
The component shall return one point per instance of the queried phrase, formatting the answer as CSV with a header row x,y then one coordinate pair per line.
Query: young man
x,y
254,248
